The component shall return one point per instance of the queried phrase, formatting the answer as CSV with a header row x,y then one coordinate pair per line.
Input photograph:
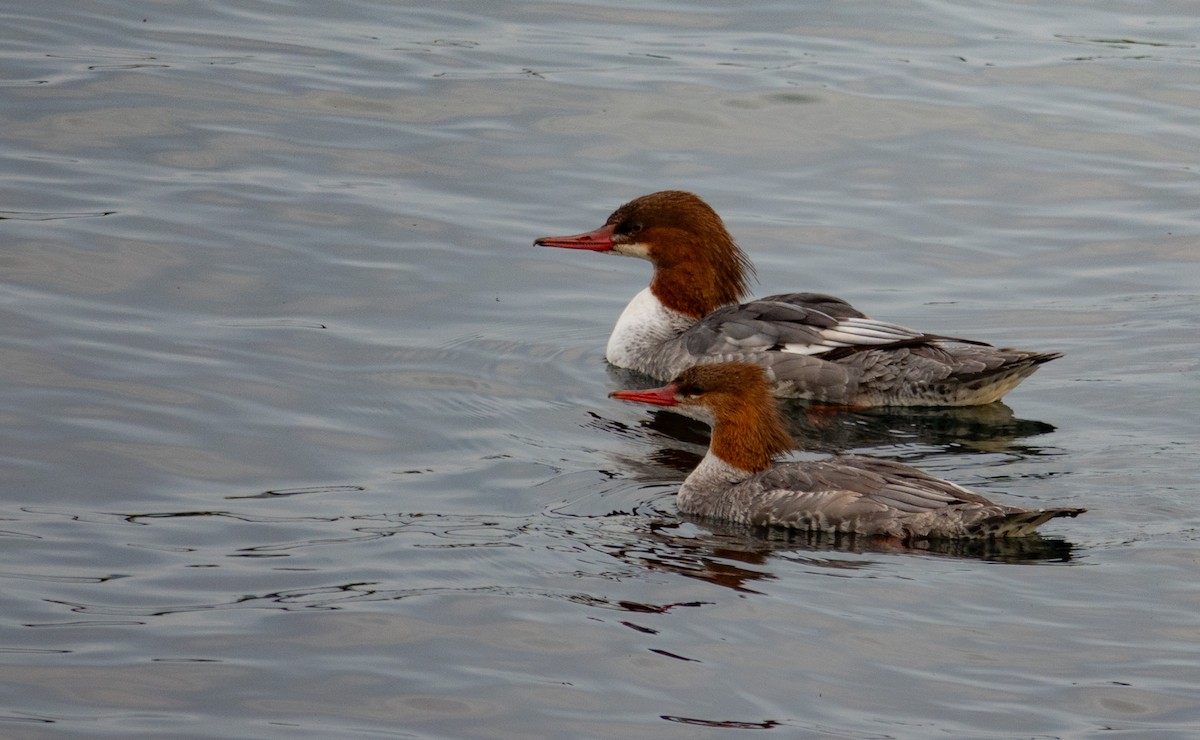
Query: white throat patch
x,y
634,249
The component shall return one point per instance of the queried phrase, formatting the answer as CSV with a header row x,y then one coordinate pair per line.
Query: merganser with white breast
x,y
738,481
813,346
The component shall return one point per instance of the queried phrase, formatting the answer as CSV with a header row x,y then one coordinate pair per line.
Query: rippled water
x,y
301,438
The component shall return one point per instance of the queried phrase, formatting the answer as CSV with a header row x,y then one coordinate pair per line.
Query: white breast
x,y
643,327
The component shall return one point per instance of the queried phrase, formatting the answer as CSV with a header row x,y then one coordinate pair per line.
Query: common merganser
x,y
814,346
738,481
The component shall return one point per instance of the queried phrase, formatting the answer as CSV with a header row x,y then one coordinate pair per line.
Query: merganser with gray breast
x,y
738,480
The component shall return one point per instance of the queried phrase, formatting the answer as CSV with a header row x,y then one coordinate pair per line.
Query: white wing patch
x,y
854,332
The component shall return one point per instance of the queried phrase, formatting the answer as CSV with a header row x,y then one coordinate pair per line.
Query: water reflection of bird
x,y
907,434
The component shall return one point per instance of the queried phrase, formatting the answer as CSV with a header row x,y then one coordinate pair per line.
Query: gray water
x,y
301,438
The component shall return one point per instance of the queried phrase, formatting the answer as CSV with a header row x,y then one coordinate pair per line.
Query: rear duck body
x,y
813,346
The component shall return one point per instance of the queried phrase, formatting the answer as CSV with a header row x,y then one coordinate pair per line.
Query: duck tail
x,y
1022,523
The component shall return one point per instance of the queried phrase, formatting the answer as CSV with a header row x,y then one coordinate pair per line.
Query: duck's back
x,y
864,496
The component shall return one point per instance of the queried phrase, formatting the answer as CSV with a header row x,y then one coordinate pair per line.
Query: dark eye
x,y
691,389
632,228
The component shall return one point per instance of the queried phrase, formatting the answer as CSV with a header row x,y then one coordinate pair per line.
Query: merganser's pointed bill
x,y
600,240
664,396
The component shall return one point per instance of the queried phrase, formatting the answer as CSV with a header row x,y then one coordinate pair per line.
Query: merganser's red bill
x,y
600,240
664,396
